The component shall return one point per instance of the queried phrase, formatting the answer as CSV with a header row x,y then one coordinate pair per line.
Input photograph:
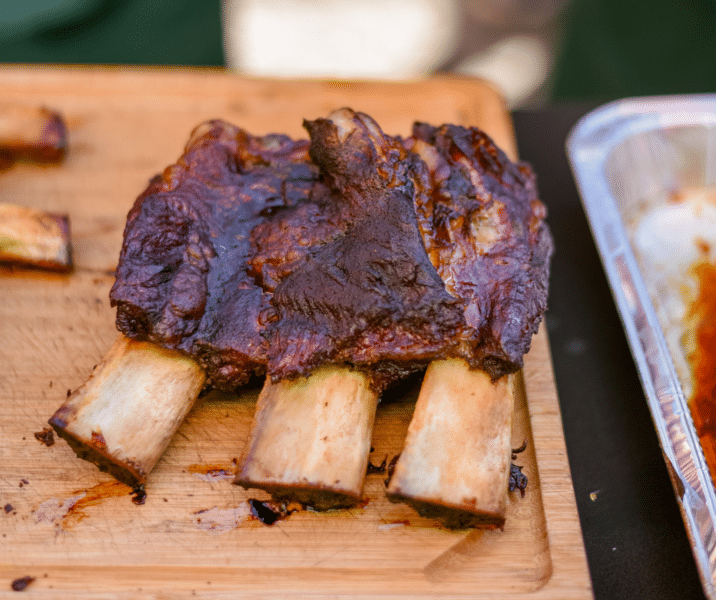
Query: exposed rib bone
x,y
310,439
34,237
124,416
456,460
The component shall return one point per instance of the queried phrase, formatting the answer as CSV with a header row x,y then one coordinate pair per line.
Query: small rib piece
x,y
35,238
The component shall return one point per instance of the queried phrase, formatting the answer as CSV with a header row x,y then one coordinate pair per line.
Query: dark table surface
x,y
634,536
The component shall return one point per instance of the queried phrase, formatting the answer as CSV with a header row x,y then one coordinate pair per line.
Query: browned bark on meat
x,y
270,255
367,294
484,230
183,280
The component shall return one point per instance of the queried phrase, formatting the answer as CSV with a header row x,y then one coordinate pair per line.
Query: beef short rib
x,y
268,255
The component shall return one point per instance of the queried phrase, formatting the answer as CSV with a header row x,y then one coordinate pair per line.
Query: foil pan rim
x,y
588,146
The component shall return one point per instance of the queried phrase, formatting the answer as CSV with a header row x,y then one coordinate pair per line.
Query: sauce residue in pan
x,y
703,361
676,248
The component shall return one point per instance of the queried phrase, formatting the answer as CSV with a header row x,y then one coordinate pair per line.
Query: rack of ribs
x,y
335,267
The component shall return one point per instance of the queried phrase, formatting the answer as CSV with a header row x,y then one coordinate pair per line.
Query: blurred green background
x,y
155,32
603,49
617,48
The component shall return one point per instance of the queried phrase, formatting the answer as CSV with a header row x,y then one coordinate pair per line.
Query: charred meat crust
x,y
370,294
268,255
182,280
484,230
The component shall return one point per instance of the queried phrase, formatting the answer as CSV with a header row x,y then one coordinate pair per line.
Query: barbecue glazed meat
x,y
182,280
367,293
271,255
484,230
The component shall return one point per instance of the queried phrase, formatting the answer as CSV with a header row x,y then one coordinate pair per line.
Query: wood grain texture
x,y
78,532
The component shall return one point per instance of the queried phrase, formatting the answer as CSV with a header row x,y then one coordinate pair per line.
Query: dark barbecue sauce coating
x,y
367,294
267,255
484,231
182,278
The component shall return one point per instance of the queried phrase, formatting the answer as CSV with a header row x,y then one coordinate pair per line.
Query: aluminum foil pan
x,y
646,172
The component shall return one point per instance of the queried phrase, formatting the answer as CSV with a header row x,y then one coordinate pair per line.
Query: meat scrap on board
x,y
335,266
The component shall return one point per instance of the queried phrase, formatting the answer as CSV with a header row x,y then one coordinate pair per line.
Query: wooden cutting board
x,y
78,532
